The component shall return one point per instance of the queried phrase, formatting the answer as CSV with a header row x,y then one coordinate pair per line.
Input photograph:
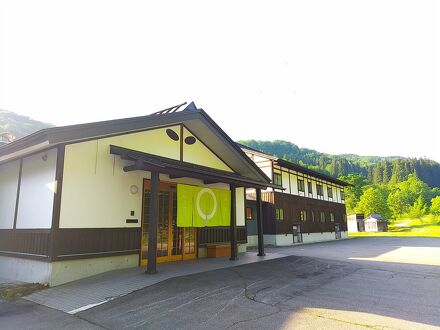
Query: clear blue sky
x,y
337,76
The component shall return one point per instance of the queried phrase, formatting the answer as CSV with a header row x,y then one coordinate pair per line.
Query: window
x,y
277,179
313,216
279,214
303,215
330,192
322,214
249,213
310,188
344,217
332,217
342,195
300,185
319,190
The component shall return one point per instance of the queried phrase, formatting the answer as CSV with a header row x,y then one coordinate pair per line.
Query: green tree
x,y
435,206
419,209
397,202
353,193
374,200
404,194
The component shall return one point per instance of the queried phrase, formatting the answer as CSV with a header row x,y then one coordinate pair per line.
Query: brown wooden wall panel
x,y
26,243
95,242
219,235
293,205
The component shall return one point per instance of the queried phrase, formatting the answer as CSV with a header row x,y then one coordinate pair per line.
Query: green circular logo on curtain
x,y
206,201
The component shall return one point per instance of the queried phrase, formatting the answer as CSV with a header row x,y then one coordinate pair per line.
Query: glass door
x,y
173,242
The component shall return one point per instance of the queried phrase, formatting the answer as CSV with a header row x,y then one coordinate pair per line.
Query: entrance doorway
x,y
173,243
297,234
337,232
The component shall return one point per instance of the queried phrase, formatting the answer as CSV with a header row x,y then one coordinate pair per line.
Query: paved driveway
x,y
386,283
418,254
300,292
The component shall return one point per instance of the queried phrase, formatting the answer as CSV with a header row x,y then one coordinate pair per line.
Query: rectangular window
x,y
303,215
342,195
322,216
319,190
277,179
313,216
249,215
279,214
300,185
332,217
310,187
330,192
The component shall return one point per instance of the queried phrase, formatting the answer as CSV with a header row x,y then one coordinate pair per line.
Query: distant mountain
x,y
19,125
376,169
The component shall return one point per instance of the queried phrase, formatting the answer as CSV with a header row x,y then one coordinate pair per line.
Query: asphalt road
x,y
339,285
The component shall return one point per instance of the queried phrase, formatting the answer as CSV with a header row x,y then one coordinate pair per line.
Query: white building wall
x,y
294,182
8,193
96,190
318,237
324,188
37,190
240,200
285,180
352,226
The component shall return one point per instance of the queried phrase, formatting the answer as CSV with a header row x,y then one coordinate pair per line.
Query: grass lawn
x,y
429,227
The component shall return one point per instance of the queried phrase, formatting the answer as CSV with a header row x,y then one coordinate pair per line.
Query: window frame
x,y
332,217
275,181
301,185
279,214
319,190
310,187
322,216
303,215
330,192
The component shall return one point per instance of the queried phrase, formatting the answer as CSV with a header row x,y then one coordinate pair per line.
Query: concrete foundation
x,y
25,270
287,239
71,270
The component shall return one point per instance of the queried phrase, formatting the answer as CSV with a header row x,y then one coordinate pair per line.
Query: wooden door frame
x,y
172,188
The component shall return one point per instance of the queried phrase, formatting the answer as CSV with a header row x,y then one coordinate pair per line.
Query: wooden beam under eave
x,y
153,218
211,181
233,225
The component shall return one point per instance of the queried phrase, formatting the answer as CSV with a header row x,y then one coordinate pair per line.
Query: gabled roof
x,y
195,119
147,162
296,167
376,216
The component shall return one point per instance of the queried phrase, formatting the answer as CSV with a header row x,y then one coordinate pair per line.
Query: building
x,y
83,199
355,223
309,208
375,223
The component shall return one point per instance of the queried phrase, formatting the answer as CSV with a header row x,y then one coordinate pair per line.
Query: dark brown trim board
x,y
80,243
57,198
18,193
25,243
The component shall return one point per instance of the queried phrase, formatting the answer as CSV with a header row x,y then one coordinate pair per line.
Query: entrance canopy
x,y
177,169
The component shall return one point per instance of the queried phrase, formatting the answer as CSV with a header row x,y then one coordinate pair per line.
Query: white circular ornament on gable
x,y
209,216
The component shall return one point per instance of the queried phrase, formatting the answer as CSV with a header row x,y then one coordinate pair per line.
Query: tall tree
x,y
374,200
435,206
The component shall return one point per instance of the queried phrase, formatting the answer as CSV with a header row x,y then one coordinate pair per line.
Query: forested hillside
x,y
377,170
19,125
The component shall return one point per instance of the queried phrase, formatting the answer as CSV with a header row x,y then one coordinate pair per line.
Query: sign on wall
x,y
203,207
